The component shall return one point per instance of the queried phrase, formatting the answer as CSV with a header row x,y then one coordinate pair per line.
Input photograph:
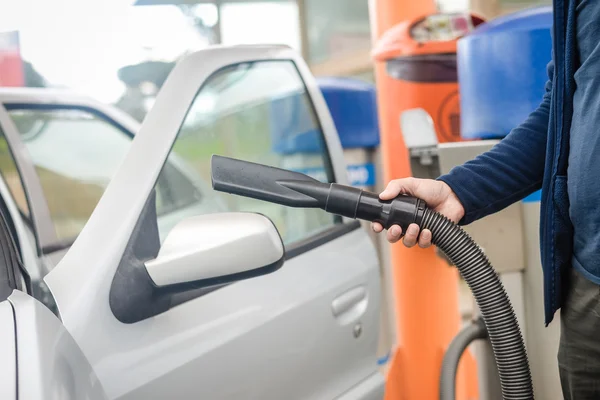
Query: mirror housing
x,y
214,249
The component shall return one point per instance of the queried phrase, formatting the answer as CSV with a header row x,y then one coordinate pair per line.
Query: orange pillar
x,y
425,287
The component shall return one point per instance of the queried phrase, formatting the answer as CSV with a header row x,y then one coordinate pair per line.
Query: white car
x,y
127,275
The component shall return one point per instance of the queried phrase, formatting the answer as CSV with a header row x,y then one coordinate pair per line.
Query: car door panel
x,y
8,361
372,388
270,337
279,342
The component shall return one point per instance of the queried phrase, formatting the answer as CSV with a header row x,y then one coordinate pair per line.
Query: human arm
x,y
492,181
510,170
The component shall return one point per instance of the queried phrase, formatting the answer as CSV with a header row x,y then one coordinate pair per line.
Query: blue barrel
x,y
353,107
502,72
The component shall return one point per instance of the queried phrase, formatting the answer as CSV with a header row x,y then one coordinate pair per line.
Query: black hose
x,y
475,330
494,305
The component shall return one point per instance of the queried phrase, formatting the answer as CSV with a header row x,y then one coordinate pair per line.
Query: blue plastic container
x,y
502,72
353,107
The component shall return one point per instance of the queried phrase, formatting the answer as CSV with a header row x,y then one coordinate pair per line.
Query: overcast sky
x,y
82,43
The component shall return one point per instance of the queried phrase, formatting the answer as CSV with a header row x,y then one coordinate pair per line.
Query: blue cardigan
x,y
533,156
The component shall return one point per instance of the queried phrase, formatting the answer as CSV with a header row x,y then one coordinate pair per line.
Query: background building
x,y
120,52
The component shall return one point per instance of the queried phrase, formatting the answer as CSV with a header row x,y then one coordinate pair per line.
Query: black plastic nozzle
x,y
294,189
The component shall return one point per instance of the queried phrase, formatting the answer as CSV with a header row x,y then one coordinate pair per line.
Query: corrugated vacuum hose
x,y
496,310
294,189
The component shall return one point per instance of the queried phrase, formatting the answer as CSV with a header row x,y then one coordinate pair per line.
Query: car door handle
x,y
350,305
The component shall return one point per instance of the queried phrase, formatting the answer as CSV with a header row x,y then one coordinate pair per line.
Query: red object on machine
x,y
11,62
420,59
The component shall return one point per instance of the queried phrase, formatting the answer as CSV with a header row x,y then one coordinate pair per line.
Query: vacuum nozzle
x,y
271,184
294,189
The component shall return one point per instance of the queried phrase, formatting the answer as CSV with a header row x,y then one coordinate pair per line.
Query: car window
x,y
75,153
258,112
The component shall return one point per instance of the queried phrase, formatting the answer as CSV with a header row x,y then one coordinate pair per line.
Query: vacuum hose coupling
x,y
358,204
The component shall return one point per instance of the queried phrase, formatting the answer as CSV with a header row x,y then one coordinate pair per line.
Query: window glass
x,y
11,176
75,154
257,112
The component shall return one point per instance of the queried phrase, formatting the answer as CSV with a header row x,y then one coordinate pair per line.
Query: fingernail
x,y
426,235
412,230
395,231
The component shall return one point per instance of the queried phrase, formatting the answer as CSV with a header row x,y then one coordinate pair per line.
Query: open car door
x,y
154,289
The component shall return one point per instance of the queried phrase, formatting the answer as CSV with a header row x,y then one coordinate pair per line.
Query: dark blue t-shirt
x,y
584,154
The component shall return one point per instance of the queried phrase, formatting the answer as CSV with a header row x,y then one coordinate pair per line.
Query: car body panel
x,y
264,349
8,361
50,364
63,97
372,388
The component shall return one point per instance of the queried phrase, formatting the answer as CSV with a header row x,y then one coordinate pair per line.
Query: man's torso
x,y
584,153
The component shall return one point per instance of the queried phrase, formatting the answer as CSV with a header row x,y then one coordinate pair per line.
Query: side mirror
x,y
218,248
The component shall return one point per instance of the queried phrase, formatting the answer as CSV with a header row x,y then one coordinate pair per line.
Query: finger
x,y
377,227
394,234
425,238
392,190
412,234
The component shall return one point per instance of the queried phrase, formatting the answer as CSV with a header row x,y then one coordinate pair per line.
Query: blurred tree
x,y
142,82
193,13
32,77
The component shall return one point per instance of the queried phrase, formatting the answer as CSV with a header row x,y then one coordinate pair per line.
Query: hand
x,y
438,196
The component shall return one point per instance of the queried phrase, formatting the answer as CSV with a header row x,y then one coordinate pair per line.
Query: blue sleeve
x,y
508,172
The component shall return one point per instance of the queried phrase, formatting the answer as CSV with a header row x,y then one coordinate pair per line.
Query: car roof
x,y
43,96
65,97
